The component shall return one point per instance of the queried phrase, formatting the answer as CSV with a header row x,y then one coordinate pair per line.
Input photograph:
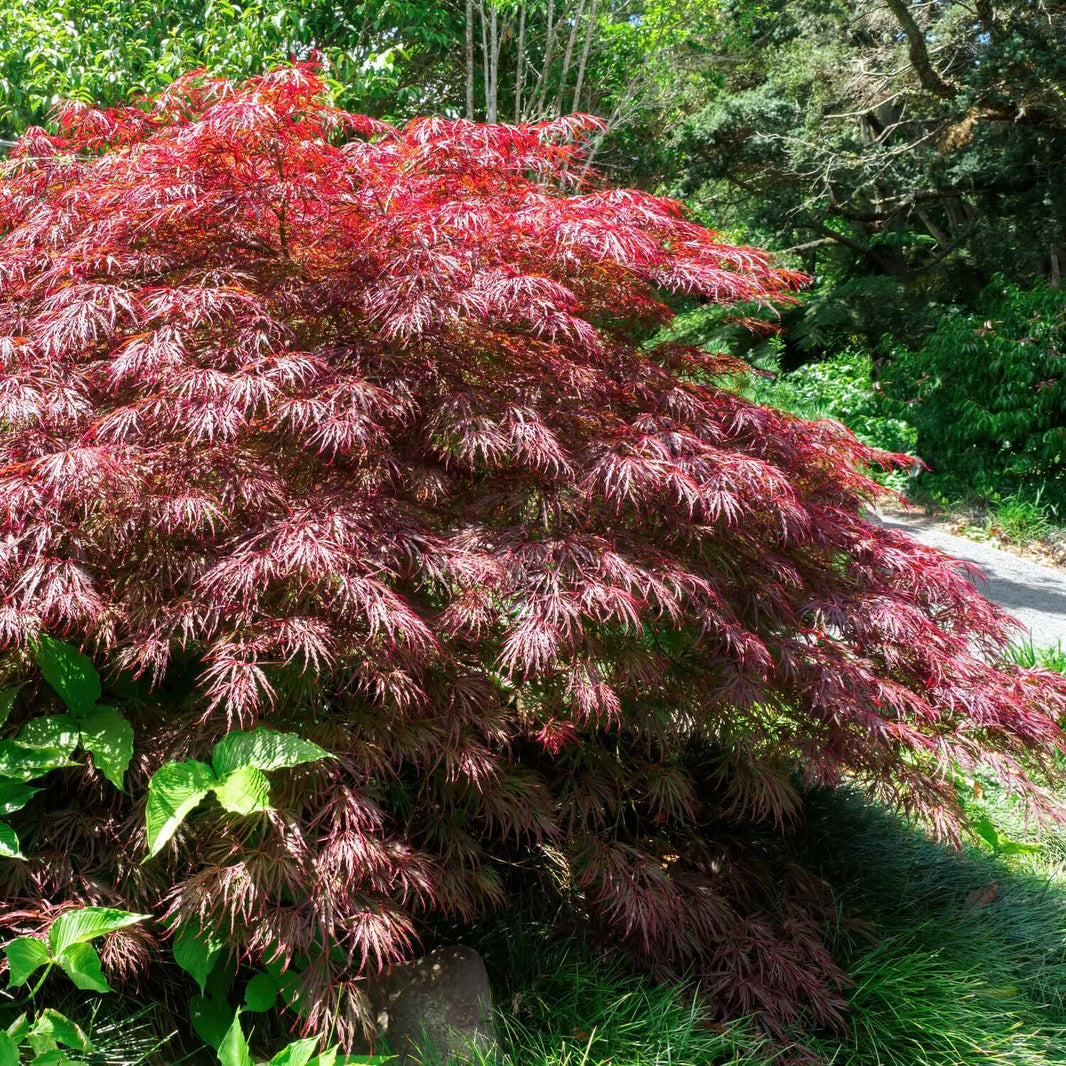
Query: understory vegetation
x,y
980,404
436,450
955,959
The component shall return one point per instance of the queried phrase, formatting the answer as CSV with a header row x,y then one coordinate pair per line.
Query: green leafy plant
x,y
40,1040
100,729
68,947
47,742
1027,654
14,795
987,394
236,777
233,1051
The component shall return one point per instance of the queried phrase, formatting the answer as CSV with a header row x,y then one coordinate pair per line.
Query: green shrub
x,y
987,394
840,388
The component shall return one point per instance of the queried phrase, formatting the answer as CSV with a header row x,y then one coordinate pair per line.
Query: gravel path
x,y
1034,594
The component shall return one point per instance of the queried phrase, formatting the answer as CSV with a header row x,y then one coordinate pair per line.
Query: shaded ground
x,y
1034,594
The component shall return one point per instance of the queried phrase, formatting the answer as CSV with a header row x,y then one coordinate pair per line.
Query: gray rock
x,y
437,1009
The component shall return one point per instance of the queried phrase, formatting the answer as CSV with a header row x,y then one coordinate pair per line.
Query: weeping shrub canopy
x,y
339,429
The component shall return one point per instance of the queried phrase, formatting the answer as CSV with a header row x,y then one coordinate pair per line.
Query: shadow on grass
x,y
969,960
957,958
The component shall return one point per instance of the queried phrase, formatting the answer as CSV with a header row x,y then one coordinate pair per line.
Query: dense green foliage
x,y
903,153
102,51
987,394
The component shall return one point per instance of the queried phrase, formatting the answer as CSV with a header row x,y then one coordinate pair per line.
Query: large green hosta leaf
x,y
18,762
25,956
245,790
108,735
85,924
69,672
175,789
263,749
9,843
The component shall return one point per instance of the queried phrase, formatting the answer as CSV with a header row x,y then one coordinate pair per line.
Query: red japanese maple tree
x,y
350,427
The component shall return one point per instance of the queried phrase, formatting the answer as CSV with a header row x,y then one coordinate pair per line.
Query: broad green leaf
x,y
20,763
296,1054
244,791
82,925
14,795
211,1018
58,732
9,843
55,1057
9,1051
175,788
327,1058
81,964
19,1028
265,749
61,1030
70,673
7,701
261,992
196,952
233,1051
25,956
109,736
984,828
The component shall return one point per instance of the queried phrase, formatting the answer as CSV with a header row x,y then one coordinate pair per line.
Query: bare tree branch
x,y
930,80
583,64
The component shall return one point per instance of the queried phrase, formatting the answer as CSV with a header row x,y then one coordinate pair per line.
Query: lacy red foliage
x,y
347,429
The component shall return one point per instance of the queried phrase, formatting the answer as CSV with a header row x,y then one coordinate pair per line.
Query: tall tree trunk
x,y
545,74
484,51
520,64
492,94
470,60
567,56
584,57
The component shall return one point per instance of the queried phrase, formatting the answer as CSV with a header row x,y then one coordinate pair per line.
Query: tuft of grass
x,y
1022,519
566,1008
124,1037
1026,654
968,960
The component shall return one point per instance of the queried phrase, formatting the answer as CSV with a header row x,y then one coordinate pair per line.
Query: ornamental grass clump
x,y
322,426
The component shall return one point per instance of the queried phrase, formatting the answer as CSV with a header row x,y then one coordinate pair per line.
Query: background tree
x,y
905,154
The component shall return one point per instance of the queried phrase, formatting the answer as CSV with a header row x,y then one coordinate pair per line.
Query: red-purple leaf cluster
x,y
348,429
